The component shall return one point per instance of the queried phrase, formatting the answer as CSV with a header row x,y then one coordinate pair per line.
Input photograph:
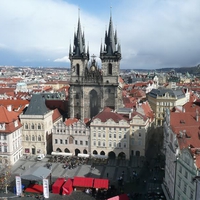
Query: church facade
x,y
92,88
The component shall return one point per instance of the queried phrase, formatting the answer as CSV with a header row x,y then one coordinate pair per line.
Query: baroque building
x,y
92,88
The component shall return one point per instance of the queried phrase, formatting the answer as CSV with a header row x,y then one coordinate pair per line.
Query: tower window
x,y
110,69
77,69
77,96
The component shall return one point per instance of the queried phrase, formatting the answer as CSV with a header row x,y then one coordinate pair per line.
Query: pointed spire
x,y
111,46
70,50
101,48
88,54
79,48
115,37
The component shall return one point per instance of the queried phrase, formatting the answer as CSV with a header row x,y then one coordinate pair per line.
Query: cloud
x,y
152,33
63,59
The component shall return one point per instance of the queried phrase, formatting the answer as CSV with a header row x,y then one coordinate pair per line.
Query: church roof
x,y
37,106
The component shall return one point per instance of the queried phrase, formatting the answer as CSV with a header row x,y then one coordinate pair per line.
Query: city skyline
x,y
153,34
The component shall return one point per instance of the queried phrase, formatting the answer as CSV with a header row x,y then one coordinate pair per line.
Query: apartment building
x,y
181,148
110,133
37,123
162,98
10,137
71,136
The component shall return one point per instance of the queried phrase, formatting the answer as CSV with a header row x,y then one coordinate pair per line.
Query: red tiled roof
x,y
107,114
8,118
70,121
17,105
56,115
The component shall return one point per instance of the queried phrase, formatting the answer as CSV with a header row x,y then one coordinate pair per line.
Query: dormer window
x,y
2,126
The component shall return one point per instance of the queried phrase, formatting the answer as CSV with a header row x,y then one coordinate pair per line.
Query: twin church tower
x,y
93,88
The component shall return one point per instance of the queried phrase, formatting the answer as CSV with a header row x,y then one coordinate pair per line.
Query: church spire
x,y
111,43
79,48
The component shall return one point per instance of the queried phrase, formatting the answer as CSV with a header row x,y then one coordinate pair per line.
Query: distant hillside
x,y
191,70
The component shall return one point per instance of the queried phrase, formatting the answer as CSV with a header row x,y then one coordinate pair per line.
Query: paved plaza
x,y
148,177
113,168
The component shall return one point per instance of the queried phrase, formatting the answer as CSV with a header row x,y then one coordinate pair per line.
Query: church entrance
x,y
94,110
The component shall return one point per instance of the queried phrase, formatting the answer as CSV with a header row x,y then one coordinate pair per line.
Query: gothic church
x,y
93,88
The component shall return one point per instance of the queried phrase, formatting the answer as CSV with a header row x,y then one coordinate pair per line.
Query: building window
x,y
86,143
81,142
39,138
179,196
94,143
65,141
191,194
26,126
104,144
114,135
124,136
119,145
32,126
5,148
120,136
33,138
56,141
132,133
185,188
139,134
180,169
0,149
39,126
94,134
26,137
124,145
99,134
61,141
110,136
99,143
103,135
4,136
76,142
186,174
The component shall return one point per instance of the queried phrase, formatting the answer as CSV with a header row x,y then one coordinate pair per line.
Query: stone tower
x,y
92,88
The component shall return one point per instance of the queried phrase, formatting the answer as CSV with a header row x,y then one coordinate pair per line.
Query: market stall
x,y
56,187
67,188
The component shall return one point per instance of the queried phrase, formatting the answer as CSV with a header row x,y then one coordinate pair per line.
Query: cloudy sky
x,y
152,33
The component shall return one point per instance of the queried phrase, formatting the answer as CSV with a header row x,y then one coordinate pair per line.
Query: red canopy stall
x,y
67,188
56,187
101,183
83,182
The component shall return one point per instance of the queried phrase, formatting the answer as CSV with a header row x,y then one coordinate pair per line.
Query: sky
x,y
153,34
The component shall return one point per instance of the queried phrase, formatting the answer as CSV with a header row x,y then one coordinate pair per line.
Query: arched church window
x,y
77,69
110,69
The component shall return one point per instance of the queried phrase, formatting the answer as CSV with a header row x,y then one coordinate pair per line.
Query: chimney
x,y
129,116
197,115
9,108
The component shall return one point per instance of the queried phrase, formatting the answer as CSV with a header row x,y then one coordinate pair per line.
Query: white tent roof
x,y
36,173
